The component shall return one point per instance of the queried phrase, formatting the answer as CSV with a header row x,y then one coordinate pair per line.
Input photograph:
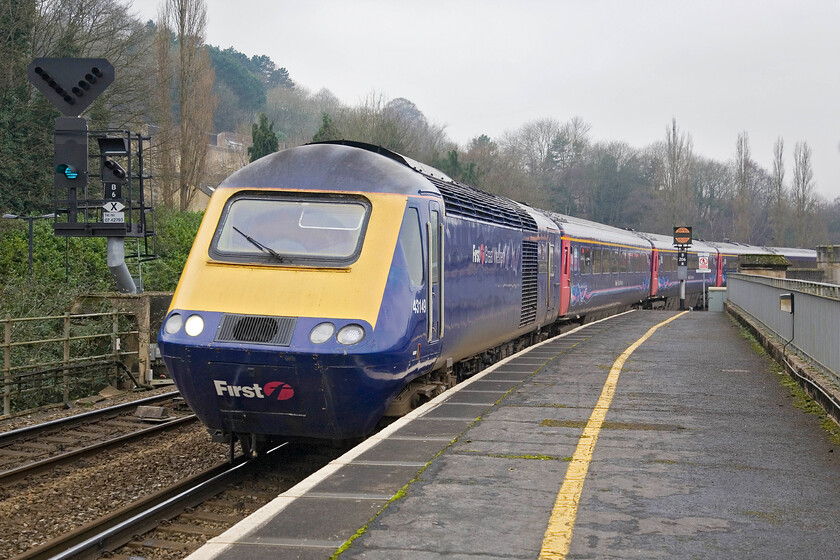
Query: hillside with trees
x,y
183,92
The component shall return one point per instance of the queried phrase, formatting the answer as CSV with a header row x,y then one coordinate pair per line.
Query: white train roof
x,y
579,228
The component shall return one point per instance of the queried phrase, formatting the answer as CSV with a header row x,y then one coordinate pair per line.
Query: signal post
x,y
682,241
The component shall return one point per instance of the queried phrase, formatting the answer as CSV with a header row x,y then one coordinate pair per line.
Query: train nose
x,y
278,375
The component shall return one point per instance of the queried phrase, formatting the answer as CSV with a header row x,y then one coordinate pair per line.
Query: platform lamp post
x,y
31,220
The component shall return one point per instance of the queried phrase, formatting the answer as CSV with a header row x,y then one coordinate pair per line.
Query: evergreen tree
x,y
263,139
328,130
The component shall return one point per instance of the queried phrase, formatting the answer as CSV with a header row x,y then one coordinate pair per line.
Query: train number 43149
x,y
419,306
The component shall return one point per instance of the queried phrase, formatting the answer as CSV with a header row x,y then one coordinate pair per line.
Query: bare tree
x,y
676,176
298,113
394,124
744,196
100,29
779,195
165,133
714,198
537,150
185,22
804,200
531,145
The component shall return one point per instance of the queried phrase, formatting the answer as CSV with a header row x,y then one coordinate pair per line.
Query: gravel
x,y
43,507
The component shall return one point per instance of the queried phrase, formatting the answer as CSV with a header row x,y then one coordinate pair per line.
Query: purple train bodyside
x,y
266,338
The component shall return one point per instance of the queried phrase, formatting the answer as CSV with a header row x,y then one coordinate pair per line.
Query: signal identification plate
x,y
113,217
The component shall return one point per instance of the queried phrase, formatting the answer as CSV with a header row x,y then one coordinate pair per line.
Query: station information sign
x,y
682,235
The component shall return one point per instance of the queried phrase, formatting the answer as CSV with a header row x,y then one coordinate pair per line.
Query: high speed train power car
x,y
334,283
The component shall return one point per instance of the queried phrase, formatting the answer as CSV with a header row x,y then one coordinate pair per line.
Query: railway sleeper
x,y
192,530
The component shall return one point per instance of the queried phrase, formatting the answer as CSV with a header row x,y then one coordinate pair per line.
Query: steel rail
x,y
119,527
51,462
122,526
36,429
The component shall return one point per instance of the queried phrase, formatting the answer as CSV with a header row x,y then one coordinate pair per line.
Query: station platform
x,y
688,447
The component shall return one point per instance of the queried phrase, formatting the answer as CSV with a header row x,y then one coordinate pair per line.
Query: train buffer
x,y
612,441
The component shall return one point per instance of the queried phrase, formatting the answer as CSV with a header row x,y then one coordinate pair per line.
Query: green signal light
x,y
67,171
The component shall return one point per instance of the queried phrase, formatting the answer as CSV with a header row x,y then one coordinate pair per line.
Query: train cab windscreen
x,y
323,231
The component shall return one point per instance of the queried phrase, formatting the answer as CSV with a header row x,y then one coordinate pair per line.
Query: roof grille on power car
x,y
469,202
256,329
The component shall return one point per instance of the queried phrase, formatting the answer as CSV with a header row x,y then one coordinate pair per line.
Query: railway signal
x,y
71,84
682,241
70,161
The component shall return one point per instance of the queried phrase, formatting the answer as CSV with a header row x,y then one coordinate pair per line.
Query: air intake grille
x,y
529,283
469,202
256,329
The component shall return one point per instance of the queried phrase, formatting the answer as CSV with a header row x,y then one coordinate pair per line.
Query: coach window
x,y
596,260
586,260
412,246
551,260
614,261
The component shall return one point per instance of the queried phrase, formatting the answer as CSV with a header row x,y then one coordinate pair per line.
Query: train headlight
x,y
194,325
321,333
351,334
173,324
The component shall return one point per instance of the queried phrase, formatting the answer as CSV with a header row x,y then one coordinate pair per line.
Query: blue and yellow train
x,y
334,283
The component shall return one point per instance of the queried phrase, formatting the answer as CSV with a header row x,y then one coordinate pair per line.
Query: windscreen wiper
x,y
258,245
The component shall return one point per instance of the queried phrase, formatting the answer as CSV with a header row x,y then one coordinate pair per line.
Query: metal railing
x,y
813,328
44,357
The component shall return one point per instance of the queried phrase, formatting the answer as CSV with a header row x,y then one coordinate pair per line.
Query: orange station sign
x,y
682,235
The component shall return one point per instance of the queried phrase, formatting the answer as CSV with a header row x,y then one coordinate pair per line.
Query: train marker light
x,y
194,325
173,324
321,333
351,334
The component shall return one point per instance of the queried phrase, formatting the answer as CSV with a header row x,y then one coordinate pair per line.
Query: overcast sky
x,y
627,67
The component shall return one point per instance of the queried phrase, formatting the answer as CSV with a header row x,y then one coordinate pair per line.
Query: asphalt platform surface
x,y
701,455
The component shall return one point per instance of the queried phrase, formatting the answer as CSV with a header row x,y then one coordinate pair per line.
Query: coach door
x,y
434,235
654,272
719,270
565,277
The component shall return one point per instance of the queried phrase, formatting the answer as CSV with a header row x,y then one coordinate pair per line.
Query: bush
x,y
64,268
175,235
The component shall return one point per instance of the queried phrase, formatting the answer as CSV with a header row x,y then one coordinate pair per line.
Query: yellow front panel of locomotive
x,y
354,292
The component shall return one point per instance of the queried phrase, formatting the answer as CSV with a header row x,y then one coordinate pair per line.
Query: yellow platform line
x,y
561,524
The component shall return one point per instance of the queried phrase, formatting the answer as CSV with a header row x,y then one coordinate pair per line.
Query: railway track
x,y
37,448
178,519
